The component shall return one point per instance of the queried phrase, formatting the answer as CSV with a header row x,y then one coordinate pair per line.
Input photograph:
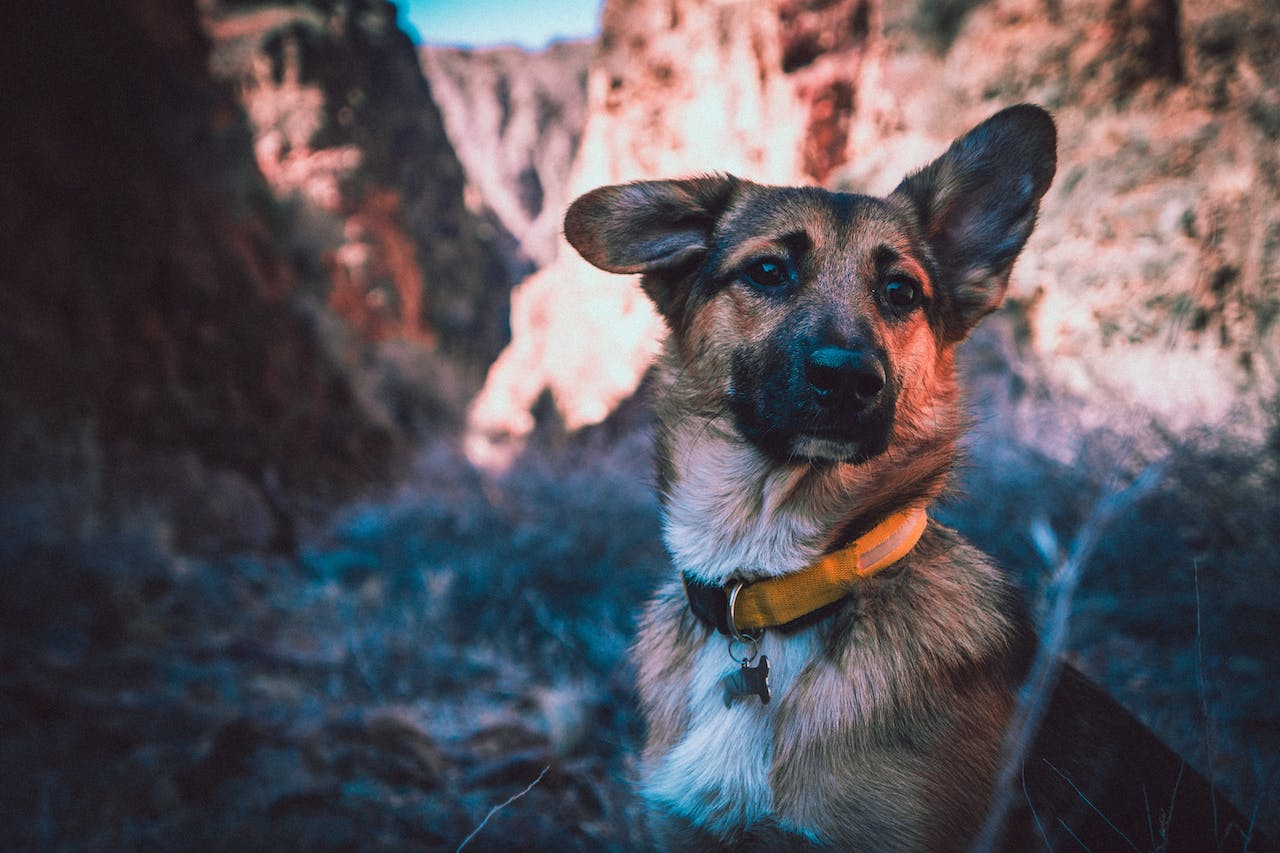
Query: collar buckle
x,y
751,637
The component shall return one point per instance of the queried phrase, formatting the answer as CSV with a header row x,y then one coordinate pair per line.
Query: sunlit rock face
x,y
762,89
346,133
1149,291
515,119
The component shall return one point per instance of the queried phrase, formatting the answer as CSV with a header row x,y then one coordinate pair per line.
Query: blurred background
x,y
325,491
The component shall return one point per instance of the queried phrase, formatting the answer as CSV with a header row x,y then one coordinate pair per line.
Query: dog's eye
x,y
901,292
767,273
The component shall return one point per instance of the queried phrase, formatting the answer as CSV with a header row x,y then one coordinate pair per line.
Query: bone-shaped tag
x,y
748,680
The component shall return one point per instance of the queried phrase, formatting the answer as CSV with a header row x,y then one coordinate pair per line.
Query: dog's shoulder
x,y
959,605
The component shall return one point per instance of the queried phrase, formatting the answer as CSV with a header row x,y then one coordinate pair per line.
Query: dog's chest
x,y
718,775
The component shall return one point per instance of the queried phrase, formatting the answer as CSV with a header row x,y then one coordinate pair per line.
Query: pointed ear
x,y
654,227
977,203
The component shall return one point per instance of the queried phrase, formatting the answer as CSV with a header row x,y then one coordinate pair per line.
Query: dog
x,y
831,669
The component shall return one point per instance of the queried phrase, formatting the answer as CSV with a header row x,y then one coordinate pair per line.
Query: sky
x,y
480,23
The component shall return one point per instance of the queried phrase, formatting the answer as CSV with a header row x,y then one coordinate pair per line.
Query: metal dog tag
x,y
748,680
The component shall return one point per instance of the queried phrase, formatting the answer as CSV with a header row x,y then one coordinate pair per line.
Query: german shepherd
x,y
808,412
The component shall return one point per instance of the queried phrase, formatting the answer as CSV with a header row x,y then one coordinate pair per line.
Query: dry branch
x,y
1037,690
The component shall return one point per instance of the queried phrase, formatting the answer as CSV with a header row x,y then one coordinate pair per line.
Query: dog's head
x,y
824,323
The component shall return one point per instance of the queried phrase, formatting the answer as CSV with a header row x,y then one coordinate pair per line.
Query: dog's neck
x,y
731,512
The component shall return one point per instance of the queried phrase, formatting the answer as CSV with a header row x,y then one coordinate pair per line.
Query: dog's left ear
x,y
976,206
659,228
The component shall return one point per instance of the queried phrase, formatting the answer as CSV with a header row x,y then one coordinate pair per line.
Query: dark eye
x,y
901,292
767,273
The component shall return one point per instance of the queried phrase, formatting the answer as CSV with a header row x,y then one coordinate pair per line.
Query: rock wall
x,y
194,199
1149,291
346,133
766,89
146,296
515,119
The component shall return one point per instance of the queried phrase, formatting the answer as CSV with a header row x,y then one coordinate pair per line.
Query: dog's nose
x,y
842,376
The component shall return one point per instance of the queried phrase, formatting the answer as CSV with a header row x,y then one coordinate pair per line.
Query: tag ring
x,y
745,639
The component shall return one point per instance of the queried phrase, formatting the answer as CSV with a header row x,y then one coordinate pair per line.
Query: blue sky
x,y
490,22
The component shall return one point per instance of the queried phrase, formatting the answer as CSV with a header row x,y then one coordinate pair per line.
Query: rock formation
x,y
345,131
146,295
1149,291
515,120
181,331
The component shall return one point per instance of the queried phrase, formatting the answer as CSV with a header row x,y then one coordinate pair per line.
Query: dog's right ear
x,y
658,228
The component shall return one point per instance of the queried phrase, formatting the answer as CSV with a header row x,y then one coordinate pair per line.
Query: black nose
x,y
843,376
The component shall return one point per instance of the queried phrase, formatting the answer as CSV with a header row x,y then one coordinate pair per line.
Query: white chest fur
x,y
733,510
717,776
730,511
718,521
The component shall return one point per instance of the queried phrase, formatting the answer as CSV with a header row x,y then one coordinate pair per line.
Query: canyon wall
x,y
515,120
1148,294
229,235
346,133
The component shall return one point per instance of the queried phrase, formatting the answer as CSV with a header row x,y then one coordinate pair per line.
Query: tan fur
x,y
885,726
880,674
883,676
798,405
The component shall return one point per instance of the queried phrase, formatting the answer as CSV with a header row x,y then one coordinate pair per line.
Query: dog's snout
x,y
841,376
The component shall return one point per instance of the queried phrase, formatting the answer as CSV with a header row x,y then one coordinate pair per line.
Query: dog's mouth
x,y
840,445
794,434
827,448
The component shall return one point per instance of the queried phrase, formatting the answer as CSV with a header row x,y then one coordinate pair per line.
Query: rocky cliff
x,y
215,227
346,133
762,89
1149,288
515,119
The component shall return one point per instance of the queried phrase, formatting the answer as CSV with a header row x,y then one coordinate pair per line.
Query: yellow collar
x,y
771,602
